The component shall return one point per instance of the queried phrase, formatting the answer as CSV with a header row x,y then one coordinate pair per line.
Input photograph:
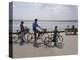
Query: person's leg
x,y
35,41
39,33
22,40
54,40
35,36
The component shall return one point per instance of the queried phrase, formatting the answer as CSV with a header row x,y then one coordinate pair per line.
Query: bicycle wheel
x,y
59,41
16,38
43,36
28,38
47,41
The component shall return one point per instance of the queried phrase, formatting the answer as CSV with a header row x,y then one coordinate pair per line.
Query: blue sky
x,y
30,11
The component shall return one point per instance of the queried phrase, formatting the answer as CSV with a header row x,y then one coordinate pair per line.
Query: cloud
x,y
30,11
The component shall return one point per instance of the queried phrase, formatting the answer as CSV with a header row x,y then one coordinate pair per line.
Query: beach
x,y
70,47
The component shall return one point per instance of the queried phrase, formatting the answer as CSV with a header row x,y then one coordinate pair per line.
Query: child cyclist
x,y
55,35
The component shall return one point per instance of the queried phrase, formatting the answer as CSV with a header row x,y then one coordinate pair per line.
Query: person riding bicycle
x,y
55,35
35,25
22,32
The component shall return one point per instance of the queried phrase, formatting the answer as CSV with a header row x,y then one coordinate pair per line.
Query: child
x,y
55,35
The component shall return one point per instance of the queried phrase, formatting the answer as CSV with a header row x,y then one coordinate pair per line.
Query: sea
x,y
45,24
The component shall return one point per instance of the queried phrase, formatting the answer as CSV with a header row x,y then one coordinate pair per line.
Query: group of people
x,y
73,29
36,31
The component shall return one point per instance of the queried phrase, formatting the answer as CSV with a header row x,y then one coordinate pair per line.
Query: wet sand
x,y
70,47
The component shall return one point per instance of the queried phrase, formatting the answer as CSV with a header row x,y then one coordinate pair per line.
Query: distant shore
x,y
31,32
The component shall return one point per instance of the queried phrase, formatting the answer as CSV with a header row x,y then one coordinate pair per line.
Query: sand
x,y
70,47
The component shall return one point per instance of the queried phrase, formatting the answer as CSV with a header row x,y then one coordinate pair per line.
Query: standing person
x,y
55,35
35,25
22,32
73,29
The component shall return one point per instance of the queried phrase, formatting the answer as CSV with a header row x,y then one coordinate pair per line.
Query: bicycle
x,y
48,41
29,37
16,38
40,39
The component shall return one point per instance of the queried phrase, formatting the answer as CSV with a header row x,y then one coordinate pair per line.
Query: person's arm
x,y
58,31
38,26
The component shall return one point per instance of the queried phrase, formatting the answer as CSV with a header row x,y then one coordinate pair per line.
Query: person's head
x,y
55,27
22,22
36,20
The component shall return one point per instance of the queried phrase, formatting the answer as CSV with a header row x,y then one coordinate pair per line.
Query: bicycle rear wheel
x,y
16,39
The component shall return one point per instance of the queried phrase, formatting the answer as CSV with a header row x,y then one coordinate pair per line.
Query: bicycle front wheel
x,y
28,38
44,36
47,41
59,41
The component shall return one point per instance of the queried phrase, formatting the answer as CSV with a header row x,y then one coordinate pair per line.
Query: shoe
x,y
21,43
36,45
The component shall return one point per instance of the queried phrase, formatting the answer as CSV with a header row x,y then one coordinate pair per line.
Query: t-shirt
x,y
21,27
35,25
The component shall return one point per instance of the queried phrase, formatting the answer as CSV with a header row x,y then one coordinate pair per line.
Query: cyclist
x,y
22,32
35,25
55,35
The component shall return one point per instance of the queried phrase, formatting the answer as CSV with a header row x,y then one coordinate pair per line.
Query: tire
x,y
59,41
28,38
16,39
44,36
47,41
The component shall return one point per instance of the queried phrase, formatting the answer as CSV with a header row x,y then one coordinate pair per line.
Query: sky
x,y
30,11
